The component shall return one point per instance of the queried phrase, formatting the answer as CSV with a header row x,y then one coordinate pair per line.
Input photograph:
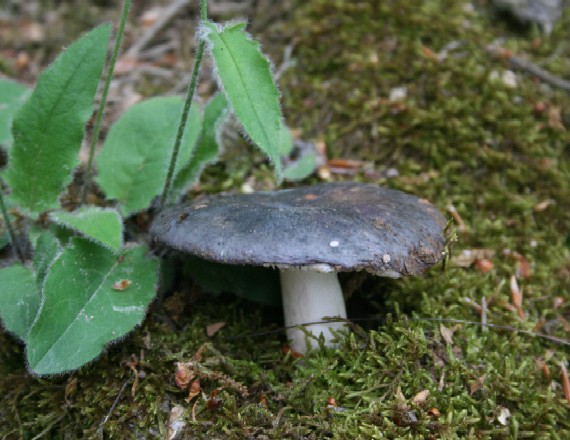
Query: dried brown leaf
x,y
194,390
484,265
477,385
565,382
401,403
467,257
446,334
541,206
214,328
543,366
564,322
122,285
516,296
420,397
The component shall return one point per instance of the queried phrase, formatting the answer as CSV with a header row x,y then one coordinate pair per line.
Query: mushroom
x,y
310,234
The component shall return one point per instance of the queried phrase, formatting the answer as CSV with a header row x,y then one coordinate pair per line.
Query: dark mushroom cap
x,y
332,226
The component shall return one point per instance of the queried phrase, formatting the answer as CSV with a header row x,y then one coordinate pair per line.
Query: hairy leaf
x,y
83,309
12,94
19,299
245,75
134,160
103,225
301,168
208,148
48,127
46,251
285,140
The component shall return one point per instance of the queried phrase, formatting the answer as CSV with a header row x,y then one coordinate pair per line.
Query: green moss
x,y
457,138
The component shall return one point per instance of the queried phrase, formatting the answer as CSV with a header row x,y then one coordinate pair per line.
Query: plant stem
x,y
99,119
186,110
11,231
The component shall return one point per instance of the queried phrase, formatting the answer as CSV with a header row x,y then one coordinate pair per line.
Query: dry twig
x,y
174,8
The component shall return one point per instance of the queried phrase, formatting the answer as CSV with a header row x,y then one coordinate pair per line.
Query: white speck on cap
x,y
386,258
334,243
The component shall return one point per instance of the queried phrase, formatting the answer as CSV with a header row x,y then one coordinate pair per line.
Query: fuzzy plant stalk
x,y
10,228
186,110
106,86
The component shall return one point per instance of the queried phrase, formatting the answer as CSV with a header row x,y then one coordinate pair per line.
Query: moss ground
x,y
499,155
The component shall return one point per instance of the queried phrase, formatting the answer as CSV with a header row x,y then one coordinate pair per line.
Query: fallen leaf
x,y
467,257
194,390
434,412
263,400
401,402
421,397
184,374
331,402
516,296
461,226
565,382
285,349
541,363
428,53
555,118
504,415
484,265
121,285
213,401
70,389
477,384
523,269
212,329
446,334
541,206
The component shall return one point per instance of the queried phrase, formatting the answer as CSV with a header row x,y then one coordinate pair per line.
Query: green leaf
x,y
301,168
81,311
46,251
4,235
12,94
48,127
208,148
257,284
246,78
102,225
19,300
134,160
285,140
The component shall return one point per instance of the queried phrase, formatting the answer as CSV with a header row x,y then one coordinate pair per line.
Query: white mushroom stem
x,y
310,296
